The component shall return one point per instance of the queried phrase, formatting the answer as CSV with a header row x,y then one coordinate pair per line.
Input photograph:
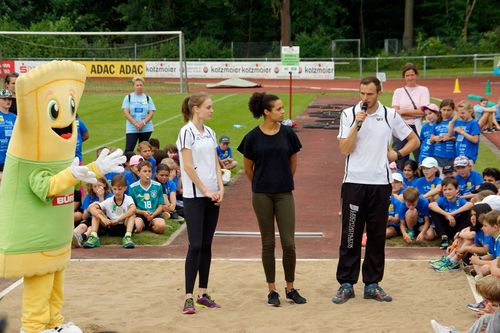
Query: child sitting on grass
x,y
97,192
393,227
491,227
169,190
468,179
429,186
113,216
145,150
148,198
414,217
489,288
470,240
449,213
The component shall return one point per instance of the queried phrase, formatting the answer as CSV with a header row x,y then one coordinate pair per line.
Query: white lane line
x,y
13,286
86,151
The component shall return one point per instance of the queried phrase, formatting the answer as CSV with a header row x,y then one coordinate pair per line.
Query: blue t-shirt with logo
x,y
224,154
466,185
481,239
450,206
394,206
139,106
426,147
7,121
444,149
423,185
422,209
81,129
494,247
463,146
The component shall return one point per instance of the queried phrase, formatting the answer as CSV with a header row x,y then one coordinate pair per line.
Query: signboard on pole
x,y
290,59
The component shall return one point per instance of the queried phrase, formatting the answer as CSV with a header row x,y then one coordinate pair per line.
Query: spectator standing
x,y
466,130
7,121
444,144
408,101
10,84
138,109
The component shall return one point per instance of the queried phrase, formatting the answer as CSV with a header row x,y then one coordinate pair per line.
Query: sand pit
x,y
146,296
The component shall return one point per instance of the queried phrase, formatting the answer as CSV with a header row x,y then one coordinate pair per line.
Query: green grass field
x,y
103,116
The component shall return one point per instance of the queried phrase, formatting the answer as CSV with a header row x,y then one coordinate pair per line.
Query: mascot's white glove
x,y
81,172
111,162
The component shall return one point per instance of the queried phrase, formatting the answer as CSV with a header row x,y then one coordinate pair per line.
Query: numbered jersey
x,y
147,198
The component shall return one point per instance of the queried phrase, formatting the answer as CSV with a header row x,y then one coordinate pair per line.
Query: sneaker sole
x,y
75,242
289,300
274,305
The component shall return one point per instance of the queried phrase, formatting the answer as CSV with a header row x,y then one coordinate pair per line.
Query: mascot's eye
x,y
53,110
72,106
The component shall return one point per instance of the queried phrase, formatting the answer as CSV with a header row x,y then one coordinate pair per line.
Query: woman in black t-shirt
x,y
270,159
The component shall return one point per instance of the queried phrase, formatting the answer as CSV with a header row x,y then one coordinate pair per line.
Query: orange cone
x,y
457,87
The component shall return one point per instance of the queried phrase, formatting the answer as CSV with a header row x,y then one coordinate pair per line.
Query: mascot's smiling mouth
x,y
65,132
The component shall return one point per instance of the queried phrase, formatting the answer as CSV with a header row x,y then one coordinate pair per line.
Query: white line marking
x,y
472,284
13,286
86,151
257,234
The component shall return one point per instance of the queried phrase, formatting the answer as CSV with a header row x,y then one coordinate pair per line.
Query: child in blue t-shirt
x,y
414,217
467,131
449,213
393,227
146,151
225,153
469,241
83,135
429,186
491,228
468,179
410,173
7,121
169,190
444,144
432,116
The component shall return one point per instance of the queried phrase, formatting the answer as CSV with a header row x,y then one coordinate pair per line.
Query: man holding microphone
x,y
365,139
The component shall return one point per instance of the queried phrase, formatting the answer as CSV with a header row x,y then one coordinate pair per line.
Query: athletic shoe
x,y
77,240
273,299
92,242
411,233
448,266
207,302
438,328
374,291
438,262
189,306
127,242
477,306
294,296
344,293
444,243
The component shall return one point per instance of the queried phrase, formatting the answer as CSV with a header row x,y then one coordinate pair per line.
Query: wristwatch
x,y
399,155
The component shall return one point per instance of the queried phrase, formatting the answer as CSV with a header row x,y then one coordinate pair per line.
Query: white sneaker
x,y
438,328
64,328
69,327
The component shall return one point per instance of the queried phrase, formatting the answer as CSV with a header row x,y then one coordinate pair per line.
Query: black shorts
x,y
147,223
113,230
87,222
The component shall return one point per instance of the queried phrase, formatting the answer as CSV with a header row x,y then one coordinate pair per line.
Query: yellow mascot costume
x,y
36,193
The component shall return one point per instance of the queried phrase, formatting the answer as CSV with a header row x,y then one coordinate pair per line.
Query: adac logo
x,y
60,200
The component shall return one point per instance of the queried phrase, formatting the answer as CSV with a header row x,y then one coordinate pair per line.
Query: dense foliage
x,y
210,26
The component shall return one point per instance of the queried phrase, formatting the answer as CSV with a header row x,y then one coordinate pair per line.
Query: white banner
x,y
251,70
311,70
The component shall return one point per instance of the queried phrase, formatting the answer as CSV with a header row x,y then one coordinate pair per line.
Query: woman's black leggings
x,y
131,139
201,220
279,206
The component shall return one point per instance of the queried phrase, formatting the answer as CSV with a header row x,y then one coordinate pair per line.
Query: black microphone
x,y
364,107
